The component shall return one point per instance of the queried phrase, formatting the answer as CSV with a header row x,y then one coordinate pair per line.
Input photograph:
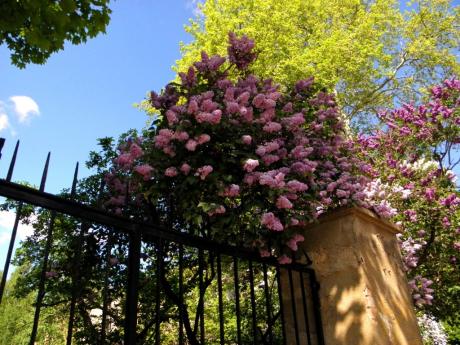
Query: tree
x,y
34,29
370,52
16,317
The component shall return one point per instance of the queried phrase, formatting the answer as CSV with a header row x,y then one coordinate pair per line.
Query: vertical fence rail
x,y
134,259
243,279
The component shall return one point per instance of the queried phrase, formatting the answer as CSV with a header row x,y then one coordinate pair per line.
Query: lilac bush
x,y
240,160
415,152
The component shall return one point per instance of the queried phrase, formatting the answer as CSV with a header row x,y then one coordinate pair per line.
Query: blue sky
x,y
86,92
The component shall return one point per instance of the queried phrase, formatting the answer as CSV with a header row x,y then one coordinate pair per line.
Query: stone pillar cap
x,y
361,213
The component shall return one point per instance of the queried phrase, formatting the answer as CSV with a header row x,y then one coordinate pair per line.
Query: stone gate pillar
x,y
363,291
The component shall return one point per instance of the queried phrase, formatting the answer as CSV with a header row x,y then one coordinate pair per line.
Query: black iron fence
x,y
120,280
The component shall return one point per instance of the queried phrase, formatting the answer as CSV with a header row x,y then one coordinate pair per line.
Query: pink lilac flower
x,y
145,170
284,260
232,191
446,222
451,200
271,222
185,168
124,160
283,202
294,222
171,172
250,165
292,243
430,194
411,215
232,107
204,171
203,138
171,117
272,127
218,210
342,193
295,186
203,117
181,135
385,210
135,151
246,139
163,138
240,51
250,179
270,159
192,107
191,145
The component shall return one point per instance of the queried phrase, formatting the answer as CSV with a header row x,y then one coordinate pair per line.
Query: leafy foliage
x,y
35,29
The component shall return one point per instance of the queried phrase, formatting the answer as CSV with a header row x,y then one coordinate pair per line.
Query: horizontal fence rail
x,y
120,280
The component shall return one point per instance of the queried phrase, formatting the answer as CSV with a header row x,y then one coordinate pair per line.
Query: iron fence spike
x,y
45,173
73,191
9,175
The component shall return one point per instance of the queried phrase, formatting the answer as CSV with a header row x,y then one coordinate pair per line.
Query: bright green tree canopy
x,y
34,29
369,51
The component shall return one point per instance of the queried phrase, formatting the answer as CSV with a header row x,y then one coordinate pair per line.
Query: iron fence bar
x,y
159,269
105,289
132,291
148,232
305,306
294,309
316,307
268,305
76,271
10,250
221,307
181,294
202,292
280,296
237,300
41,285
49,242
253,303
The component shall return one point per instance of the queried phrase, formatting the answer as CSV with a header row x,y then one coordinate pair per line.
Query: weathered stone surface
x,y
363,289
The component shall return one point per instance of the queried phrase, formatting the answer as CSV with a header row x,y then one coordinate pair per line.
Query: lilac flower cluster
x,y
432,330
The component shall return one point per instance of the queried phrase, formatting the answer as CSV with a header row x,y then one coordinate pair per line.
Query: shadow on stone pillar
x,y
364,296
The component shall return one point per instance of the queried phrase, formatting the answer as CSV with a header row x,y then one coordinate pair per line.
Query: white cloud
x,y
4,123
24,108
6,226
